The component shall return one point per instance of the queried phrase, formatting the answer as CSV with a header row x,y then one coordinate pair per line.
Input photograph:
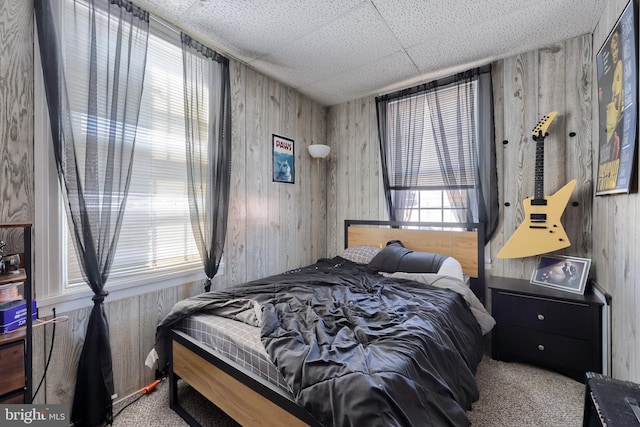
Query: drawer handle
x,y
540,347
540,316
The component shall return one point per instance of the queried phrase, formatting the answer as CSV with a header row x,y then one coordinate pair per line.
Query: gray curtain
x,y
463,147
207,105
403,140
94,165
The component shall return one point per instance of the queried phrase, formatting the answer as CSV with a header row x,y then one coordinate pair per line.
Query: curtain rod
x,y
175,30
434,83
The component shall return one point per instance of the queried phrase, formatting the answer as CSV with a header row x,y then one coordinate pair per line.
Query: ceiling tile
x,y
357,38
169,10
382,73
337,50
416,22
256,28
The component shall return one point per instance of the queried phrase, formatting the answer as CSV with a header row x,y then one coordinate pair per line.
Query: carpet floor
x,y
511,394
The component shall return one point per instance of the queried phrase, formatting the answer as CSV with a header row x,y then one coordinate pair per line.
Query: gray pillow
x,y
360,254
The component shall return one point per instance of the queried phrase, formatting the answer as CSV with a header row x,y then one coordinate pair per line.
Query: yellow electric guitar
x,y
541,230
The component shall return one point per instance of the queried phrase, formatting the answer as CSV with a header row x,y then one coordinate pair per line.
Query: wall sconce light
x,y
319,151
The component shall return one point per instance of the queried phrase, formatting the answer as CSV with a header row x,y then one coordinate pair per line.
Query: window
x,y
156,245
437,150
419,183
432,206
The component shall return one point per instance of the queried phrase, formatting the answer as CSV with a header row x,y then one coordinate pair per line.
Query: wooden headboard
x,y
463,241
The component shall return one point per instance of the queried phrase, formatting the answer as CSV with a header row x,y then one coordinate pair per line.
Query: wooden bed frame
x,y
463,241
250,400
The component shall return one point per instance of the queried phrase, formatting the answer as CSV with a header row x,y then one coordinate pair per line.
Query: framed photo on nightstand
x,y
562,272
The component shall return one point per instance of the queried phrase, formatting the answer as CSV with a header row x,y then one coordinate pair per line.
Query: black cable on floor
x,y
143,392
127,405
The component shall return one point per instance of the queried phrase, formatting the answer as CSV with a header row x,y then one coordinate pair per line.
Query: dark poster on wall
x,y
617,68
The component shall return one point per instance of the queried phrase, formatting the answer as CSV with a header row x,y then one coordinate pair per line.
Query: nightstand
x,y
546,327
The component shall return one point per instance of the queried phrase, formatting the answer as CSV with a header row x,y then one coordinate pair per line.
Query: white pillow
x,y
451,267
360,254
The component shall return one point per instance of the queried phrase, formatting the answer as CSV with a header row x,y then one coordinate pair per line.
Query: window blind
x,y
411,126
156,231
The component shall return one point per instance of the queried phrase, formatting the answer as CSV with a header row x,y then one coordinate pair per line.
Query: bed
x,y
363,338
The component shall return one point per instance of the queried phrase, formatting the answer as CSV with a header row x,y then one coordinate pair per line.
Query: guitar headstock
x,y
541,128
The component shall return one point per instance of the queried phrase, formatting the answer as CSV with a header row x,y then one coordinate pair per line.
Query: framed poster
x,y
562,272
617,68
283,160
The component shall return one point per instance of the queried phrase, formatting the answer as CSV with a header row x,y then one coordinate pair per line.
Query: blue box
x,y
13,314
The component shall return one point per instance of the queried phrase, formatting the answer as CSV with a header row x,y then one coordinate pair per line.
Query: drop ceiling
x,y
335,51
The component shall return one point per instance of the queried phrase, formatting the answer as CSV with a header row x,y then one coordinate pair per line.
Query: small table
x,y
604,402
546,327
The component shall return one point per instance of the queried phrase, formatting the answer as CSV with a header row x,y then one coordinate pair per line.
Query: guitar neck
x,y
539,132
538,182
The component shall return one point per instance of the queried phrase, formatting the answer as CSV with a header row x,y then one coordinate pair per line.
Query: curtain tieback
x,y
99,297
207,284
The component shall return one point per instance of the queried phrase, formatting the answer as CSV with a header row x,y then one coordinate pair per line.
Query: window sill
x,y
81,298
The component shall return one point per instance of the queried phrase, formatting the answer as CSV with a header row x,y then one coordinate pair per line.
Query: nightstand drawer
x,y
542,314
544,348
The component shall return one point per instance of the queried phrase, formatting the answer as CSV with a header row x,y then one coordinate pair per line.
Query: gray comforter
x,y
357,348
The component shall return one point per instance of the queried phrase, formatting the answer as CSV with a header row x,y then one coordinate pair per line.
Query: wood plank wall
x,y
16,116
616,242
354,186
527,86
